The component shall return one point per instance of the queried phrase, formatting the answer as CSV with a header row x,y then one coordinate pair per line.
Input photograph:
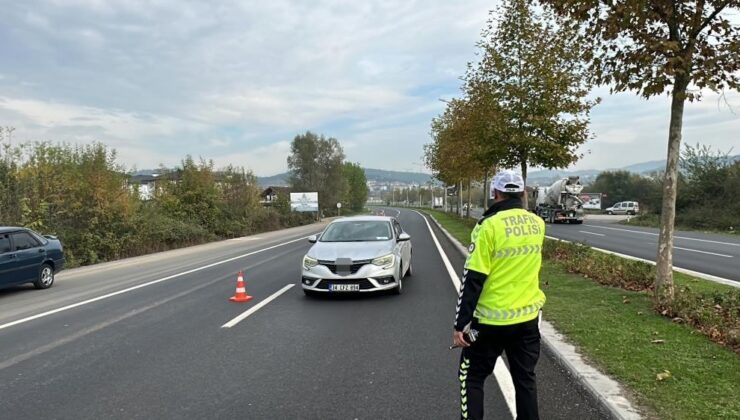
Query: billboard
x,y
591,201
304,202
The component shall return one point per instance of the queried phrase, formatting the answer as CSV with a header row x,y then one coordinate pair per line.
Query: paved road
x,y
717,255
143,338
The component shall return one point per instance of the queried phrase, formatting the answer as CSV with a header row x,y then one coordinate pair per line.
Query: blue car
x,y
27,257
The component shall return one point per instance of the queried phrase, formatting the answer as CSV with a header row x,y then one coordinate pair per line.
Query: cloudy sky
x,y
236,80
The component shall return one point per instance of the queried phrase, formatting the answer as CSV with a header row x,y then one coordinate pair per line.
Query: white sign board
x,y
339,205
591,201
305,202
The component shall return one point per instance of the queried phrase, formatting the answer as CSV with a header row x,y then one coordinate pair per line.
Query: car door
x,y
617,208
29,255
8,262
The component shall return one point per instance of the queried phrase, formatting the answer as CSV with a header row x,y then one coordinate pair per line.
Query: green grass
x,y
615,328
617,337
459,228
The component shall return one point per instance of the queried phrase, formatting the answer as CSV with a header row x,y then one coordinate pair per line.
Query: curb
x,y
605,390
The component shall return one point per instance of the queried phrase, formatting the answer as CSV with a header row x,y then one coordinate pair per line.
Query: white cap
x,y
507,181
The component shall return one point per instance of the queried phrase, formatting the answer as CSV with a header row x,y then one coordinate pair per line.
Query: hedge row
x,y
715,312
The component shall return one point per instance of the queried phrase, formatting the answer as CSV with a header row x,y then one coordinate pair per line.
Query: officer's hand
x,y
458,338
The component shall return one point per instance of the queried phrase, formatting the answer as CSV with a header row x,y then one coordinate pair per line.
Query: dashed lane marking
x,y
655,234
257,307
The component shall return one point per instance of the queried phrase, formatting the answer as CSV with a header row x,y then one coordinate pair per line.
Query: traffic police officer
x,y
500,299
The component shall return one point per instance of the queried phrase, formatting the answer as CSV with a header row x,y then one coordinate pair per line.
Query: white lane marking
x,y
97,327
704,276
703,252
450,271
655,234
257,307
150,283
500,371
696,250
246,238
592,233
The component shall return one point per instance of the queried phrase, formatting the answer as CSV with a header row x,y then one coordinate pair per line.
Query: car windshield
x,y
357,231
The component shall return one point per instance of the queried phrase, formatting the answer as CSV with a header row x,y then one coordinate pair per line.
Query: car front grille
x,y
353,268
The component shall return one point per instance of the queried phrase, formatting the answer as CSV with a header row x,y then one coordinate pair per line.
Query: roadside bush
x,y
716,314
606,269
81,195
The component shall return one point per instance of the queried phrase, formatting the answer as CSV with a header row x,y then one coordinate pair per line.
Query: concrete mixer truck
x,y
558,203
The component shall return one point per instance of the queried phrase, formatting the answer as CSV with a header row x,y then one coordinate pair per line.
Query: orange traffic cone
x,y
241,291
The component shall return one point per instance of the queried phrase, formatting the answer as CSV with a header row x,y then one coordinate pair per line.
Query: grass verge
x,y
671,369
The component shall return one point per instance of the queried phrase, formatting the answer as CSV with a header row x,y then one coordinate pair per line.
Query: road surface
x,y
143,338
713,254
717,255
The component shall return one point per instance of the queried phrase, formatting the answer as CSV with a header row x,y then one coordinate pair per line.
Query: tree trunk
x,y
664,290
444,198
467,209
525,200
459,198
486,191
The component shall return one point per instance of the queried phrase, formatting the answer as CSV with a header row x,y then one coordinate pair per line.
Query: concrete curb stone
x,y
605,390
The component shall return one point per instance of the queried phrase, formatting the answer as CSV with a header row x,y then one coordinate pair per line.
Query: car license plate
x,y
344,287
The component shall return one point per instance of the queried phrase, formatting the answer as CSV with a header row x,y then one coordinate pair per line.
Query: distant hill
x,y
646,167
377,175
380,175
545,177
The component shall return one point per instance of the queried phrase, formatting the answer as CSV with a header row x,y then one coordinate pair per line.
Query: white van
x,y
624,207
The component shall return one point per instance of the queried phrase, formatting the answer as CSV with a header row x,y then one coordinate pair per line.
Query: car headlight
x,y
309,262
384,261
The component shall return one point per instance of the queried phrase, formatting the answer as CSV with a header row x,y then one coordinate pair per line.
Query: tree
x,y
456,153
315,164
356,193
191,193
653,47
532,76
622,186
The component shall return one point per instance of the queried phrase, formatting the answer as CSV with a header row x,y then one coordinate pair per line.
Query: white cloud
x,y
237,79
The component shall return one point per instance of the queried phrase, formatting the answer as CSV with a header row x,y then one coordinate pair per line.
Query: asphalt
x,y
713,254
142,338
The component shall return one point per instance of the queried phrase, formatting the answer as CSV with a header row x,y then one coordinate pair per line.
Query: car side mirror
x,y
404,237
312,239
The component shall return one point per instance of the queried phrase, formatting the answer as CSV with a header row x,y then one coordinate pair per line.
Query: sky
x,y
235,81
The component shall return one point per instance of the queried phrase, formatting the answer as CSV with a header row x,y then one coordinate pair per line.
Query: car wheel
x,y
609,213
410,271
45,278
399,288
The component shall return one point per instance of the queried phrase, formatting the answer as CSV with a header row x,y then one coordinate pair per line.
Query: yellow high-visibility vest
x,y
507,247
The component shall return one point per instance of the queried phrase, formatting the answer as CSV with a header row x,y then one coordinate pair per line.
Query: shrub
x,y
716,314
606,269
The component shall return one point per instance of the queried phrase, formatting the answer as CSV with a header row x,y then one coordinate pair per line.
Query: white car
x,y
358,254
624,207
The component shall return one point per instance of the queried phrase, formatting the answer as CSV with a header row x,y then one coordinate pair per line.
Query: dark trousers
x,y
521,342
